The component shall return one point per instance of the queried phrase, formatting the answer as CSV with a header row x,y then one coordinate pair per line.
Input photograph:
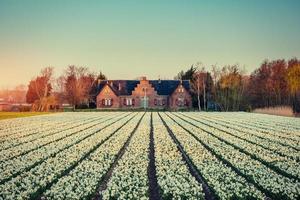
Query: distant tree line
x,y
228,88
14,95
77,86
224,88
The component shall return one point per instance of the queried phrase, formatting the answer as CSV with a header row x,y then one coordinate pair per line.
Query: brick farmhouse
x,y
143,93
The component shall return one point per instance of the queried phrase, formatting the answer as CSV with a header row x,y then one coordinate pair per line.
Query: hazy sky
x,y
127,39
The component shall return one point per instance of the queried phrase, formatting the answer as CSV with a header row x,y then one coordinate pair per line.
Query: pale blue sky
x,y
127,39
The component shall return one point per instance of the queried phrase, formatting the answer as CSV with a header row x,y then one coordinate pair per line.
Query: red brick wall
x,y
124,105
183,94
138,94
107,93
154,100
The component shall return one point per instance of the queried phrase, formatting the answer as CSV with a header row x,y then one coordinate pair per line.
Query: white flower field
x,y
150,155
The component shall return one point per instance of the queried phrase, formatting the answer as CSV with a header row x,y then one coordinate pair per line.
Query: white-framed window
x,y
108,102
129,102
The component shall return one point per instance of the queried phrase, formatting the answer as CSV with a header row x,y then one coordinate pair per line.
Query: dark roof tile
x,y
163,87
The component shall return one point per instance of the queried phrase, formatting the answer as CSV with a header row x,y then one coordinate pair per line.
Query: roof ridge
x,y
162,87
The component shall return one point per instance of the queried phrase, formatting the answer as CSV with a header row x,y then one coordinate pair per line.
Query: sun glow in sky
x,y
127,39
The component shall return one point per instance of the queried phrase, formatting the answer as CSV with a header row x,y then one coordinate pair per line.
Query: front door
x,y
145,102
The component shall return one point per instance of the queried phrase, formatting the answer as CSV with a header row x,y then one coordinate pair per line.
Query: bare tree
x,y
230,87
199,84
78,84
204,92
47,74
39,90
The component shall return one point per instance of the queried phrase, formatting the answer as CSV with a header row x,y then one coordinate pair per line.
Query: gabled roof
x,y
167,87
162,87
127,86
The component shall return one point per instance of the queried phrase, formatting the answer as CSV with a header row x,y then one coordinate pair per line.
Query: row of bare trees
x,y
229,88
224,85
276,83
77,86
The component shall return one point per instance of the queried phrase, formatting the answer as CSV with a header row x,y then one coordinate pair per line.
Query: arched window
x,y
133,102
103,102
163,102
155,102
124,102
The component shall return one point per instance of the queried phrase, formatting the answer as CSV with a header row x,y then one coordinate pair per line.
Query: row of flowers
x,y
31,183
10,127
279,140
173,176
223,181
285,146
24,127
129,179
283,124
15,122
230,156
274,160
285,127
271,182
17,130
20,146
84,179
11,167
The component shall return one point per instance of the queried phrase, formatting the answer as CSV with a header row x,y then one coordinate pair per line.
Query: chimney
x,y
111,84
119,86
143,78
159,81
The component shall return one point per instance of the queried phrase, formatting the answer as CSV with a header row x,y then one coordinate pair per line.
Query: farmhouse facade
x,y
143,93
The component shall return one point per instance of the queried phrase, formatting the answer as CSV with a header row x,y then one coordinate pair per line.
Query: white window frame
x,y
107,102
128,101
